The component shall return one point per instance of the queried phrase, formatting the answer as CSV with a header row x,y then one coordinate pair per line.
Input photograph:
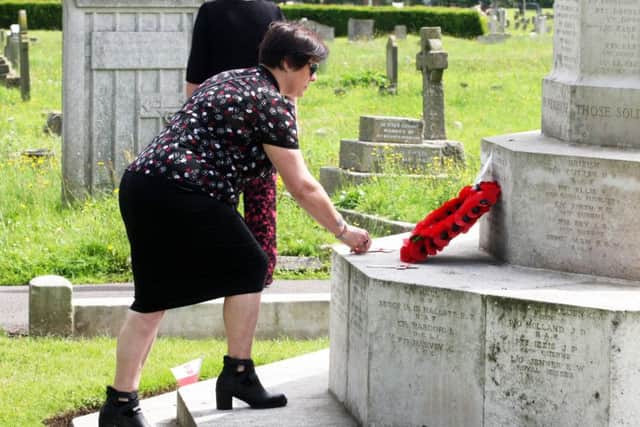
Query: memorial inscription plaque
x,y
439,334
539,358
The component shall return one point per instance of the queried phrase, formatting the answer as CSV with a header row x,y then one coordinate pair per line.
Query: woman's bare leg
x,y
134,344
240,318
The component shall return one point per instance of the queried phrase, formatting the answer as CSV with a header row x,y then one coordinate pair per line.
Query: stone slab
x,y
302,379
533,346
564,207
304,315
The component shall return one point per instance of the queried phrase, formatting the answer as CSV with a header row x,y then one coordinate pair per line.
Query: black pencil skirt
x,y
186,247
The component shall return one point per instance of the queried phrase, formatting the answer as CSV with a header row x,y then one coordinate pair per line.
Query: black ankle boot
x,y
121,409
245,385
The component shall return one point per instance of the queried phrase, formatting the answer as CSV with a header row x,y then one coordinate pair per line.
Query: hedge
x,y
453,21
40,15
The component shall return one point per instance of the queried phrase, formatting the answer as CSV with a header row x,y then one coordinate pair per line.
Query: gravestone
x,y
392,142
540,25
360,29
384,143
12,48
392,64
497,23
123,66
25,75
325,32
400,32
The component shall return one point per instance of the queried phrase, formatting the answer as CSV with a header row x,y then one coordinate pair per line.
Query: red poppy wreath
x,y
456,216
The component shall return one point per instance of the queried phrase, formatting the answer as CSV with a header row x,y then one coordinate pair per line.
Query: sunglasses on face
x,y
313,68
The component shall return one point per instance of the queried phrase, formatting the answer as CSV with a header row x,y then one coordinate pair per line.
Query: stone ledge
x,y
291,315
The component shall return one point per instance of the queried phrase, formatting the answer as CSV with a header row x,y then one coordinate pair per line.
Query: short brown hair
x,y
292,42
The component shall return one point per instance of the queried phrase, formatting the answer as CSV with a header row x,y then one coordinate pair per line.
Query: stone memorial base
x,y
564,206
494,38
464,340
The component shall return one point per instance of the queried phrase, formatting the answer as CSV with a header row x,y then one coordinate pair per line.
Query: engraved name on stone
x,y
426,327
546,343
581,206
566,21
390,129
614,27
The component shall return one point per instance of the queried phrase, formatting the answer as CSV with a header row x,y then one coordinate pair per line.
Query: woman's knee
x,y
145,321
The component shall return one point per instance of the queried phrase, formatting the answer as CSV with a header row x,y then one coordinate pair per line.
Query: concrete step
x,y
159,410
303,379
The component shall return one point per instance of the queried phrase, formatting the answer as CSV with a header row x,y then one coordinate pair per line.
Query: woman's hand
x,y
356,238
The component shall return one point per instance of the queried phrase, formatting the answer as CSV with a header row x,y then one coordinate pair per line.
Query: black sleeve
x,y
197,67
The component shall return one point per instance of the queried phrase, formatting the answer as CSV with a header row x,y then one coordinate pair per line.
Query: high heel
x,y
238,379
121,409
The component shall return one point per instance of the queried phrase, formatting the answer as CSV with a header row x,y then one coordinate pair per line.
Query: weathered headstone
x,y
325,32
540,26
400,31
432,60
386,145
360,29
497,23
123,66
12,48
391,142
392,64
25,78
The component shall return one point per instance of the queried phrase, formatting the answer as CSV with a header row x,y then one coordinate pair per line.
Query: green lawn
x,y
489,90
44,377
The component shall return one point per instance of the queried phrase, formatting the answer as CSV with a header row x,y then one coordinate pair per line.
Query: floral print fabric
x,y
215,142
260,217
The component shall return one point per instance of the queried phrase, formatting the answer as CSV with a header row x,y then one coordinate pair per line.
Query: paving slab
x,y
304,380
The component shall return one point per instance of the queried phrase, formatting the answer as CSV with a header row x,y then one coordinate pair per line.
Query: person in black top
x,y
226,36
178,200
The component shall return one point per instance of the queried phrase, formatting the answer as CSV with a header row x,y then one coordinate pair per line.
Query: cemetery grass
x,y
55,379
489,90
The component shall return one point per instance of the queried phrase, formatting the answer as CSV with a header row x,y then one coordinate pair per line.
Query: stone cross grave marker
x,y
360,29
392,64
432,60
